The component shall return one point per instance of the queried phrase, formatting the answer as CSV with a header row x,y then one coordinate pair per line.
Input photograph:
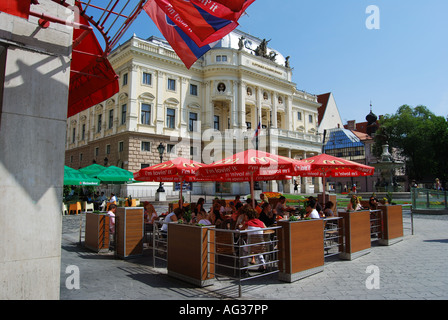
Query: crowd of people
x,y
237,213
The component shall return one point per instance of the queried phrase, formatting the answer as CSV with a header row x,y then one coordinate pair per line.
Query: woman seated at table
x,y
215,216
354,204
373,203
328,209
255,224
267,215
282,209
201,218
149,216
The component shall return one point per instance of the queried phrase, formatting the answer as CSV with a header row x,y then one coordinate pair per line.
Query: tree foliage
x,y
420,137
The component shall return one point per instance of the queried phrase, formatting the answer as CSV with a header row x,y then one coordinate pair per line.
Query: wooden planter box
x,y
392,221
188,253
129,231
97,232
356,229
301,249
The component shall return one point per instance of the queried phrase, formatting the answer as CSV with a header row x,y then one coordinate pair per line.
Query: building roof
x,y
323,100
341,138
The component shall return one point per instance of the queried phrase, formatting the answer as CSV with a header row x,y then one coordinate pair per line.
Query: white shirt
x,y
205,222
314,214
167,219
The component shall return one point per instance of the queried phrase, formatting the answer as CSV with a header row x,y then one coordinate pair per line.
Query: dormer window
x,y
221,58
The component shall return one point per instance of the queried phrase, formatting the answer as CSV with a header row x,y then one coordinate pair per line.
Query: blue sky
x,y
332,50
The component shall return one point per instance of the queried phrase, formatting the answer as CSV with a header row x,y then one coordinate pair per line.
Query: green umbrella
x,y
74,177
93,170
115,175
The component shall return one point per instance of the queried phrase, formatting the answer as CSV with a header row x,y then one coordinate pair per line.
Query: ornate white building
x,y
206,113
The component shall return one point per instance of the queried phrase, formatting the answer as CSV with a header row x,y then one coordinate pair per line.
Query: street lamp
x,y
161,149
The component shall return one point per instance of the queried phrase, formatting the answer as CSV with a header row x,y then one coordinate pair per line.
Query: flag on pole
x,y
192,27
257,132
203,26
181,42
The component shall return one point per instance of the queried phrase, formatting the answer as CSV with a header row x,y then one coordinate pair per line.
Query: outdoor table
x,y
301,252
392,221
129,231
97,232
188,253
356,226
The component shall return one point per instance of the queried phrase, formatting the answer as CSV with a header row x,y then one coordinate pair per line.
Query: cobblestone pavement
x,y
413,269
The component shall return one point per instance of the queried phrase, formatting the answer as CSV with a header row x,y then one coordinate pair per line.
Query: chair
x,y
224,246
74,207
109,203
102,206
87,206
64,209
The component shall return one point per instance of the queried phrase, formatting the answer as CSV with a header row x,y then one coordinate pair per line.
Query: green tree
x,y
420,137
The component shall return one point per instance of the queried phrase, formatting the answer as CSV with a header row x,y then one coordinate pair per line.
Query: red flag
x,y
15,7
181,41
202,26
231,10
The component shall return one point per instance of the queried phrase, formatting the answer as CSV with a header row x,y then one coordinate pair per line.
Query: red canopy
x,y
255,162
177,170
325,165
253,165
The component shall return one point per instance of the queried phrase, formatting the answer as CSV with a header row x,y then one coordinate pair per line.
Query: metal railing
x,y
376,226
159,243
244,254
429,199
407,209
333,236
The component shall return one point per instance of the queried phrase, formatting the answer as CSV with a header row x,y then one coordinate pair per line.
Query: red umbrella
x,y
325,165
177,170
253,165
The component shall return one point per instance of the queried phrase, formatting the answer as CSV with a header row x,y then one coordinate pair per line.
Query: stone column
x,y
34,75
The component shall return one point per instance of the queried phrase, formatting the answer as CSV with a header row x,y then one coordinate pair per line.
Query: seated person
x,y
354,204
201,219
282,209
311,211
267,215
328,209
373,203
172,217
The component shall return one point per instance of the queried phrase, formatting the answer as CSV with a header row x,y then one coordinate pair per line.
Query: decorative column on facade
x,y
208,109
234,108
183,110
133,105
288,112
159,102
303,180
242,105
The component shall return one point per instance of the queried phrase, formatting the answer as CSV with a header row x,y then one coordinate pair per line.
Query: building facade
x,y
205,113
